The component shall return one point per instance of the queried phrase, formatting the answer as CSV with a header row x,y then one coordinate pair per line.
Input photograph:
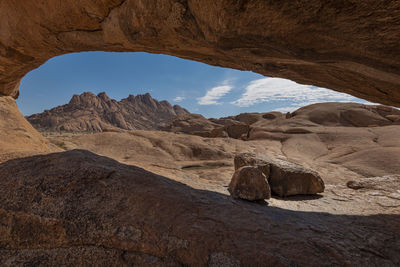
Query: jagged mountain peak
x,y
88,112
104,96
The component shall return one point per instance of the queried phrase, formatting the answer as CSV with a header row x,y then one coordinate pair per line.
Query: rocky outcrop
x,y
95,113
285,178
249,183
244,118
250,159
194,124
349,46
234,126
288,179
76,209
347,114
276,125
17,137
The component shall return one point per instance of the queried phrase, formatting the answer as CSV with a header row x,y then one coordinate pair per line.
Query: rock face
x,y
17,137
249,159
288,179
285,178
249,183
349,46
90,113
76,208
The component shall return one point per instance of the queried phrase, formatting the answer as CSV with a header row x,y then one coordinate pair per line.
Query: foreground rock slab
x,y
76,208
249,183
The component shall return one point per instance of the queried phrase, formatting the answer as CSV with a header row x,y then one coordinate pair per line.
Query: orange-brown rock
x,y
249,183
349,46
347,114
285,178
332,114
250,159
17,137
95,113
191,124
78,209
288,179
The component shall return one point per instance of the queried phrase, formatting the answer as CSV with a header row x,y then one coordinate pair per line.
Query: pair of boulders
x,y
256,177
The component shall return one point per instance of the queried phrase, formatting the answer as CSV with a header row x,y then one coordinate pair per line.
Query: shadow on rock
x,y
76,208
299,197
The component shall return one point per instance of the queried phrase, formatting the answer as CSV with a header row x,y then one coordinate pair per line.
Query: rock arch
x,y
348,46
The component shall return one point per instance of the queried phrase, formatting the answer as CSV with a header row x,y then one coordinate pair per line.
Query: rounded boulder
x,y
249,183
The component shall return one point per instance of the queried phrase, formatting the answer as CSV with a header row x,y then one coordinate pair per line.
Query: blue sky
x,y
200,88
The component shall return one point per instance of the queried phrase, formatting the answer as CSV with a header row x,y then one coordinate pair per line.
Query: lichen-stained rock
x,y
288,179
249,183
348,46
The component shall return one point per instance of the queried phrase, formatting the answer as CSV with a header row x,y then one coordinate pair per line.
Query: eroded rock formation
x,y
251,126
95,113
77,208
349,46
17,137
284,178
249,183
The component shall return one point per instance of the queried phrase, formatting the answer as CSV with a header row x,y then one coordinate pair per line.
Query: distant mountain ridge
x,y
95,113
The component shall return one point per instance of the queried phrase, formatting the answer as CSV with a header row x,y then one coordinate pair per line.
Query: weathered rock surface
x,y
207,163
236,127
95,113
77,208
285,178
237,130
288,179
339,153
250,159
249,183
349,46
17,137
388,183
255,126
347,114
194,124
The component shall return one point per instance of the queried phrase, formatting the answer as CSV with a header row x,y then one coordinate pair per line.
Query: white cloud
x,y
179,99
276,89
214,94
